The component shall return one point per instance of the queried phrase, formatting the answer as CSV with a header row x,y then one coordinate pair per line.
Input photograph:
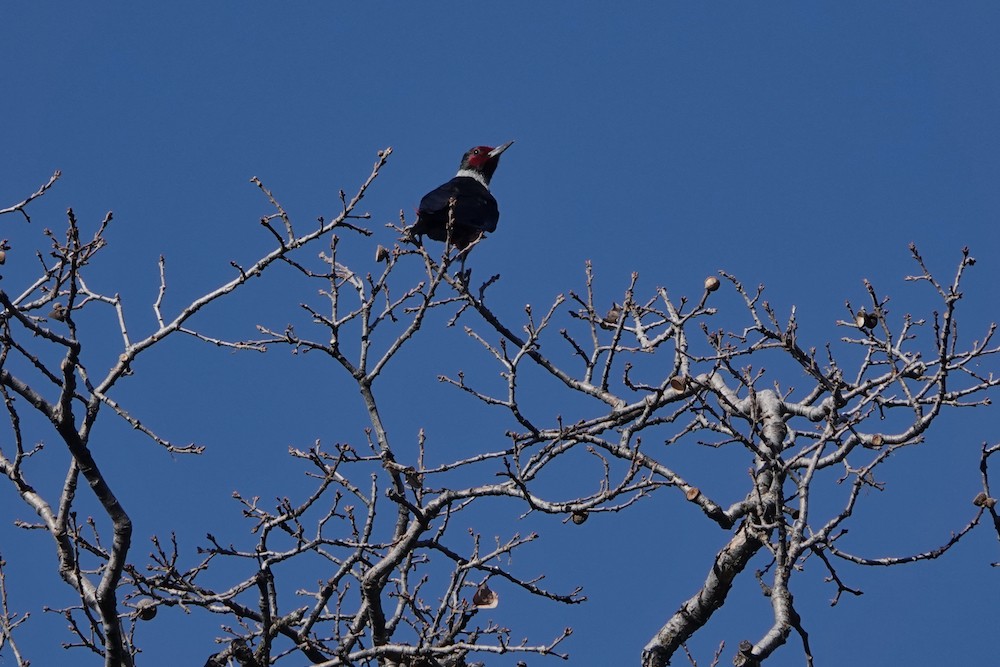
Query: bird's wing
x,y
475,207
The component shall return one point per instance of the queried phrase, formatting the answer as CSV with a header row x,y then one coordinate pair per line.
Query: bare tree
x,y
401,583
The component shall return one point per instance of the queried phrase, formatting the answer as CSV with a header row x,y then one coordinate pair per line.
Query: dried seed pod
x,y
3,256
145,609
861,319
613,314
414,479
484,598
579,517
381,254
711,284
679,383
871,320
983,500
58,312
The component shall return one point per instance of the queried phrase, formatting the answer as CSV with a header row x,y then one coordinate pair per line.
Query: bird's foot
x,y
464,277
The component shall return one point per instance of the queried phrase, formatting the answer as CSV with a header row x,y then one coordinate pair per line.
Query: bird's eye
x,y
475,152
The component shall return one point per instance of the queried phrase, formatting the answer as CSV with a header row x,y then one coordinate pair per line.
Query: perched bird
x,y
476,210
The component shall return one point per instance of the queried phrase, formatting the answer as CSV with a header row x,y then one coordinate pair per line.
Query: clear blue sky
x,y
798,145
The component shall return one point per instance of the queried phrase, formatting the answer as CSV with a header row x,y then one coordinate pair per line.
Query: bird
x,y
475,209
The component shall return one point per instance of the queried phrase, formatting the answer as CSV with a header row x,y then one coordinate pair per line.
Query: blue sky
x,y
802,146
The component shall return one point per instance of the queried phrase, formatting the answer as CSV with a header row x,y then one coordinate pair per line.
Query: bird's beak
x,y
495,153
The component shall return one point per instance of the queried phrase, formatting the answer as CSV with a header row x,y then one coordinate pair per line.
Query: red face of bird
x,y
479,157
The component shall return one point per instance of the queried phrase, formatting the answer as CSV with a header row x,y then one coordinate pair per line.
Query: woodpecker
x,y
476,210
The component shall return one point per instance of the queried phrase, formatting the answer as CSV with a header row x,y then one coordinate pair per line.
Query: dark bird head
x,y
480,162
